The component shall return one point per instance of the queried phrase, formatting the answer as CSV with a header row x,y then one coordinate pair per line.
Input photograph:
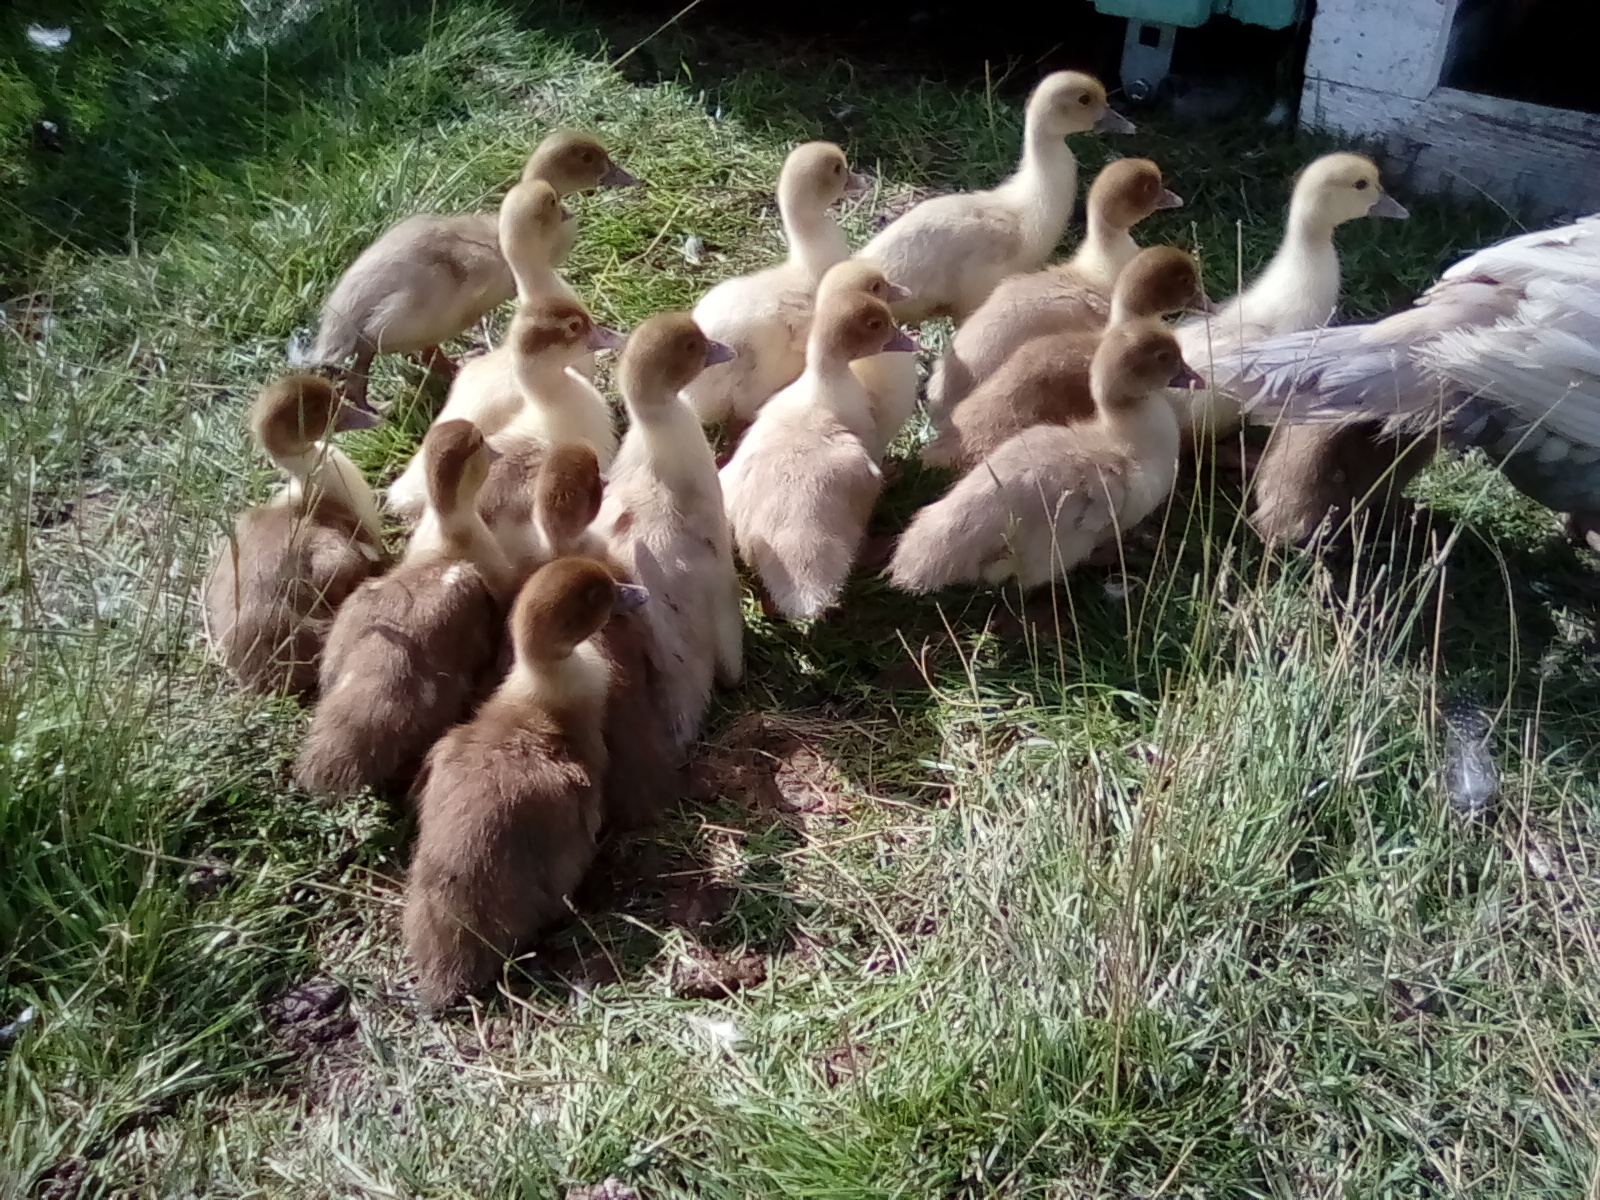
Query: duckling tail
x,y
951,540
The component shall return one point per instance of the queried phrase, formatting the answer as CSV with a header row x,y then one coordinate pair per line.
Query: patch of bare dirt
x,y
700,974
312,1015
842,1063
610,1188
770,766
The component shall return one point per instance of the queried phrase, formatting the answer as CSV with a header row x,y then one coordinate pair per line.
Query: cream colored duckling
x,y
407,652
1047,381
801,486
568,162
764,316
273,589
1042,502
431,276
535,400
510,806
1075,294
1299,289
950,251
663,519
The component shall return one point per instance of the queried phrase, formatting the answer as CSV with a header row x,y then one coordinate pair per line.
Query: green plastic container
x,y
1274,14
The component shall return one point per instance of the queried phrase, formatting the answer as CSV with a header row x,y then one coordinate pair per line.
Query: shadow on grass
x,y
162,106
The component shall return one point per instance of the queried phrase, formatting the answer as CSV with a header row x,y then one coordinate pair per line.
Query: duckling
x,y
568,162
404,657
641,778
524,394
1041,503
663,519
950,251
764,316
801,485
1299,289
272,591
431,276
1075,294
1046,381
1503,352
509,804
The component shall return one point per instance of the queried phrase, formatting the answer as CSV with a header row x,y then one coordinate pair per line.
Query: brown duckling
x,y
272,590
407,652
1075,294
509,805
1046,381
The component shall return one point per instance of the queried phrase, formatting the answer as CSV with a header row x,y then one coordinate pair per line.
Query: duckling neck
x,y
672,437
1105,251
463,535
814,239
572,689
325,471
546,377
1043,189
1300,287
532,267
834,386
1146,424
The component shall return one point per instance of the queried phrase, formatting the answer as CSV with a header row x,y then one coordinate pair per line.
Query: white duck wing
x,y
1542,362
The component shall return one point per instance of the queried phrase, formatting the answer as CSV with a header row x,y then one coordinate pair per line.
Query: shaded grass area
x,y
1099,894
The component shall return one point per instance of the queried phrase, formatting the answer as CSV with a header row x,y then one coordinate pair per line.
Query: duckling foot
x,y
1106,554
1238,458
876,551
436,361
1584,528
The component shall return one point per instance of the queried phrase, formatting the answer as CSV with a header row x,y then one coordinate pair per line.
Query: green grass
x,y
1156,897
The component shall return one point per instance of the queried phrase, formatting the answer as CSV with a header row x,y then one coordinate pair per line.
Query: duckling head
x,y
292,414
567,493
663,356
1135,359
856,325
1341,187
574,162
456,458
1159,280
1072,102
557,331
531,215
563,605
1129,190
859,276
815,176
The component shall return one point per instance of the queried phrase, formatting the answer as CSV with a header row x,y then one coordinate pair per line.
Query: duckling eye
x,y
588,156
837,168
1361,185
1084,98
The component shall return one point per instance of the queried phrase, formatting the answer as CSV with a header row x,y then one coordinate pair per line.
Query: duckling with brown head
x,y
273,589
509,805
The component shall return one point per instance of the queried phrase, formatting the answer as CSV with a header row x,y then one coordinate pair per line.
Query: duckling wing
x,y
765,318
1034,507
423,281
799,500
943,245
